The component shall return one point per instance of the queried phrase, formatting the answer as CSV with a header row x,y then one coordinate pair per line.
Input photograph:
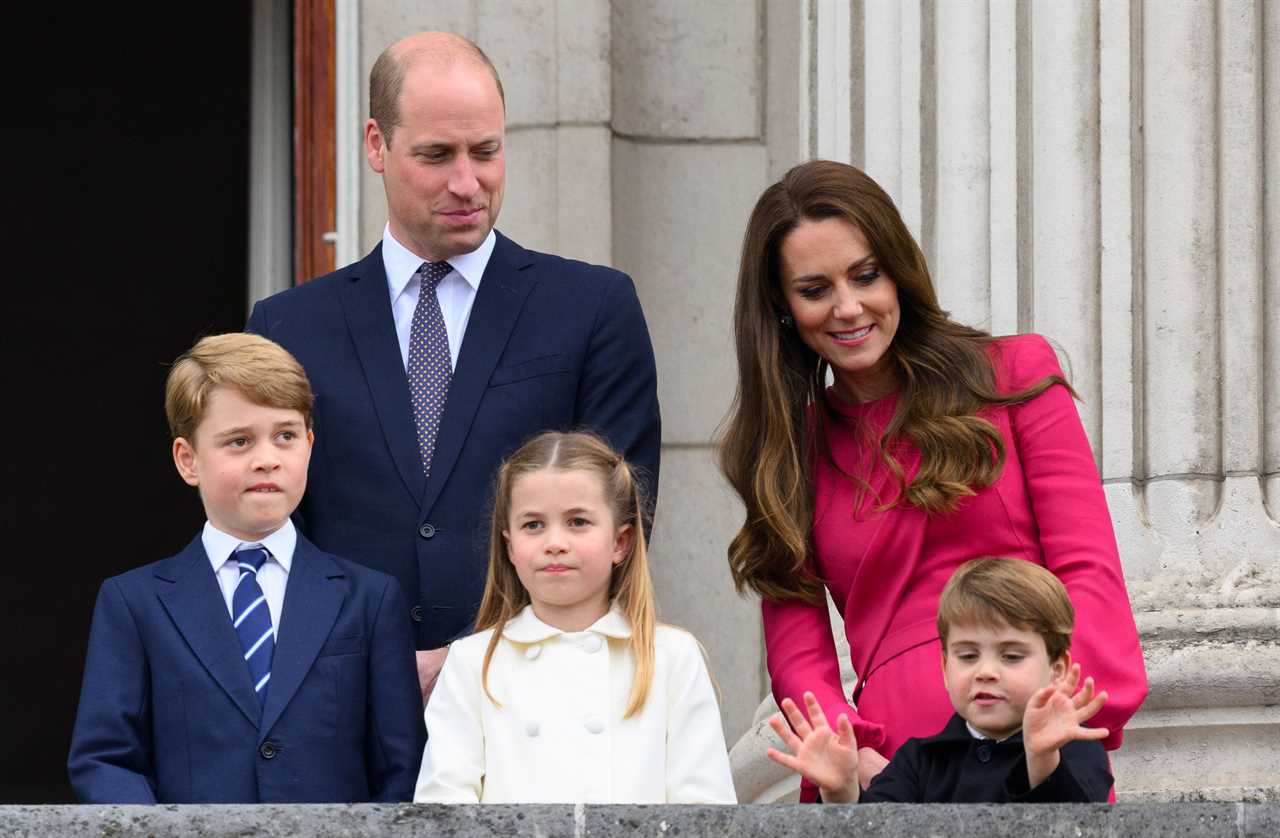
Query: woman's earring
x,y
786,320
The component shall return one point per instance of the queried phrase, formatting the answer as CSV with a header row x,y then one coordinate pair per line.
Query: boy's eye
x,y
967,657
1013,657
237,442
288,436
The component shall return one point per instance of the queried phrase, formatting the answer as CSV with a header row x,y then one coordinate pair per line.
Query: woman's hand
x,y
825,757
1054,716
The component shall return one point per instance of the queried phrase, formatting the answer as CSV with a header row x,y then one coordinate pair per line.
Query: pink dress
x,y
885,570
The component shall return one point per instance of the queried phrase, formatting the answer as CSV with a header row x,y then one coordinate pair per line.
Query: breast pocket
x,y
532,368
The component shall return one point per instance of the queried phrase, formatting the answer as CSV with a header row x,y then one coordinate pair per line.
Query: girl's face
x,y
845,307
562,541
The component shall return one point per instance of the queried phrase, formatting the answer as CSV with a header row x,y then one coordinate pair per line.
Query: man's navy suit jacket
x,y
168,713
551,344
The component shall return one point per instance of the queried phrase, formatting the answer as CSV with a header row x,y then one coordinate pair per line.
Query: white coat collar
x,y
525,627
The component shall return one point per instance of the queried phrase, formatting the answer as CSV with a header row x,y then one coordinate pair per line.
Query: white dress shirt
x,y
272,578
456,292
560,735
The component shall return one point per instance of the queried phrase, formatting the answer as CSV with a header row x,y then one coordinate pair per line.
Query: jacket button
x,y
532,652
594,725
426,531
268,750
416,613
592,643
984,753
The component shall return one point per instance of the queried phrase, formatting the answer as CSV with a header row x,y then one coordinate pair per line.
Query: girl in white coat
x,y
570,692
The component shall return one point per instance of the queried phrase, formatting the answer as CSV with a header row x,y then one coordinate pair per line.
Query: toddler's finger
x,y
816,717
784,733
798,722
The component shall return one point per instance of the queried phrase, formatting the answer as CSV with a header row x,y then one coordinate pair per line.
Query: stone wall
x,y
1203,820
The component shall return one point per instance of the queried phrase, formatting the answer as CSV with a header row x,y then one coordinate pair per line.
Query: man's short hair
x,y
261,370
1023,594
387,78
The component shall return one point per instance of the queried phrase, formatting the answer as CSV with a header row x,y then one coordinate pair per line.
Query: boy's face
x,y
991,672
249,461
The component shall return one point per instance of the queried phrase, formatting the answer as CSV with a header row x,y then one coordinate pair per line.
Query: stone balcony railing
x,y
1255,820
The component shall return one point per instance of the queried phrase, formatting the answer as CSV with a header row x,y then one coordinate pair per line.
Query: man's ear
x,y
1061,666
622,543
184,458
375,145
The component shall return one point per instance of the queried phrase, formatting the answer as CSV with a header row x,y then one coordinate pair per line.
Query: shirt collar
x,y
219,546
977,734
401,263
525,627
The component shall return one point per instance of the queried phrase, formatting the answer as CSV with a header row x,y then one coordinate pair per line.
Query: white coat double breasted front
x,y
559,735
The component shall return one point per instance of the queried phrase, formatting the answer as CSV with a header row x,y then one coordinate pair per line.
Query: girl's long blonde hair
x,y
629,586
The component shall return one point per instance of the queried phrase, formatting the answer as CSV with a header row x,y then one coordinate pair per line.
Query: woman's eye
x,y
812,292
868,277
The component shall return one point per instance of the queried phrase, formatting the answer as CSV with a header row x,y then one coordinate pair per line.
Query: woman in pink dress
x,y
936,444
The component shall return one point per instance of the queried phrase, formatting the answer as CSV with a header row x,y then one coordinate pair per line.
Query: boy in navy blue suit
x,y
251,667
1018,735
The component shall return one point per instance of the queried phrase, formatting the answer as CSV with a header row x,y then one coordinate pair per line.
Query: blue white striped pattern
x,y
252,619
430,367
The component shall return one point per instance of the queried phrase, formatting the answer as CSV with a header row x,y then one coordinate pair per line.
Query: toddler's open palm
x,y
827,758
1056,714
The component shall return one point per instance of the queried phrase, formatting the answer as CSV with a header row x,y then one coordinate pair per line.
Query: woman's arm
x,y
1076,536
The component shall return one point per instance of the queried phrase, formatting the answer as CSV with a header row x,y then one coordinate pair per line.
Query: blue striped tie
x,y
252,619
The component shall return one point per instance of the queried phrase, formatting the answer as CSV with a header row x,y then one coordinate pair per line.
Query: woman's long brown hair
x,y
629,586
776,426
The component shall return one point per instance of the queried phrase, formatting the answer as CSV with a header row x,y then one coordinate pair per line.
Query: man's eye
x,y
485,153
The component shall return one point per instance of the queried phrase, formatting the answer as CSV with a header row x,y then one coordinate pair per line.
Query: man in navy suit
x,y
533,342
251,667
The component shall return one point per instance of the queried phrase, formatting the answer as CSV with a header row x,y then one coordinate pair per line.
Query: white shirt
x,y
272,578
560,735
456,292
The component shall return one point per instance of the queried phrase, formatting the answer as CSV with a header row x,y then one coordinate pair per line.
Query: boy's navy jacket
x,y
954,767
168,714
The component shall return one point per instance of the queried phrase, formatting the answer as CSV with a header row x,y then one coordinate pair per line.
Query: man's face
x,y
442,167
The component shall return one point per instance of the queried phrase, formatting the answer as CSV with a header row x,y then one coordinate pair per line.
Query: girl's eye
x,y
531,525
579,522
868,277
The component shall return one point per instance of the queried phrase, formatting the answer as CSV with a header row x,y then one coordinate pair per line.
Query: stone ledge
x,y
954,821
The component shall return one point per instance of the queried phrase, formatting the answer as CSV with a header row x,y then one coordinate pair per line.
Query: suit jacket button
x,y
426,531
268,750
416,613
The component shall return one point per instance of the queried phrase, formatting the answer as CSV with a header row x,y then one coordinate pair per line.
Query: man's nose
x,y
462,180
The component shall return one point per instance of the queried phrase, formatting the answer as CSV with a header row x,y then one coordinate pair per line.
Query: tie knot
x,y
433,272
254,557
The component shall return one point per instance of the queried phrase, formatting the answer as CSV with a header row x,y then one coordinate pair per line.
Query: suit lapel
x,y
373,330
312,599
196,605
498,302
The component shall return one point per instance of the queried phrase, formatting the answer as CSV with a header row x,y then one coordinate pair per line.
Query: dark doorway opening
x,y
125,233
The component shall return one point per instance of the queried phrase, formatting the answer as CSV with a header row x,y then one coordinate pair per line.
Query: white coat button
x,y
594,725
532,653
592,643
532,728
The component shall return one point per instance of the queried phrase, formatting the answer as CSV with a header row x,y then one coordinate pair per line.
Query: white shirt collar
x,y
402,263
525,627
977,734
219,545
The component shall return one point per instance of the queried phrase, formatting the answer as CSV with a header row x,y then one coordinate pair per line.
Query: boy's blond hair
x,y
1020,593
629,586
261,370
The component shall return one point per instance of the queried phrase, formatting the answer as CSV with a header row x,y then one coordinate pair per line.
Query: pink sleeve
x,y
801,656
1076,536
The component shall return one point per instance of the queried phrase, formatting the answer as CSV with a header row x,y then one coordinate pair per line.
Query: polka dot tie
x,y
430,366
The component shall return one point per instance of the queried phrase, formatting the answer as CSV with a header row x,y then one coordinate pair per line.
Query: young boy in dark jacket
x,y
1018,735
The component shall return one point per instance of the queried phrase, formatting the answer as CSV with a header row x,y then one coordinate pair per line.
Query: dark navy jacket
x,y
954,767
168,713
551,344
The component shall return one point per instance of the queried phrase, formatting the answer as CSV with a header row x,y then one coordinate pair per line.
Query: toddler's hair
x,y
261,370
1021,593
629,585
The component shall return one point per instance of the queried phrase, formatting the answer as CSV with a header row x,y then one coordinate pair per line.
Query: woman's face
x,y
845,308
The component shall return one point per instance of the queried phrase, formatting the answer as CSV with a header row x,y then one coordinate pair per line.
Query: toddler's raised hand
x,y
827,758
1054,716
